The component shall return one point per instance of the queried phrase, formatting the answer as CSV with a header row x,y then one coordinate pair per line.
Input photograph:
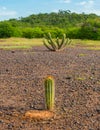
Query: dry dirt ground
x,y
76,72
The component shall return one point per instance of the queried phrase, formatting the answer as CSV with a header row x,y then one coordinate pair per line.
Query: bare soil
x,y
76,72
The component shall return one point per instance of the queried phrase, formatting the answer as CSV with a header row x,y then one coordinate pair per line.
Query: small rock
x,y
1,121
7,70
12,51
31,106
10,126
68,77
98,111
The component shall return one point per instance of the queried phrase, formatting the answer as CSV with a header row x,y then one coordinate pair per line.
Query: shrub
x,y
73,32
27,33
98,37
17,32
6,30
87,31
32,33
37,32
55,32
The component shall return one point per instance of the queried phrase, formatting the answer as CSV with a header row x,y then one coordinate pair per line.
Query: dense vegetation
x,y
77,26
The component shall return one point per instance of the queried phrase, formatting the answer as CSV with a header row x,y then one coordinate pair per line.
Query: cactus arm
x,y
52,44
62,41
58,42
45,44
66,43
50,41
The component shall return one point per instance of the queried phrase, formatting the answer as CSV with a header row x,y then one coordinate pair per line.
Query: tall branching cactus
x,y
57,44
49,93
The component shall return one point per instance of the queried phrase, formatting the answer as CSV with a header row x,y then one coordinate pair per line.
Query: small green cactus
x,y
49,93
55,45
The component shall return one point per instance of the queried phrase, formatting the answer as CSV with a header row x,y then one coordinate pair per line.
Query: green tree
x,y
88,31
32,32
98,37
27,33
17,32
6,30
73,32
37,32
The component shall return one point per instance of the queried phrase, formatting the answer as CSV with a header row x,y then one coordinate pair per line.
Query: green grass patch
x,y
86,43
19,43
24,43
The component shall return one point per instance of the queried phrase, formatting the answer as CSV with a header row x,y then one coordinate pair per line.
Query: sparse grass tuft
x,y
81,54
80,78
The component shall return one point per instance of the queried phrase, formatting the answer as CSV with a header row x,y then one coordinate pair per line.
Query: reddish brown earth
x,y
77,75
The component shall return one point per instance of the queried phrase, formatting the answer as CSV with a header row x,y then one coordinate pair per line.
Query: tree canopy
x,y
84,26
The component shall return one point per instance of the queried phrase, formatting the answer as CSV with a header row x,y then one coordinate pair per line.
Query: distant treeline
x,y
77,26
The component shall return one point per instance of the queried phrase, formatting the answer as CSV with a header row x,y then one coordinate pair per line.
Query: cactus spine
x,y
49,93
